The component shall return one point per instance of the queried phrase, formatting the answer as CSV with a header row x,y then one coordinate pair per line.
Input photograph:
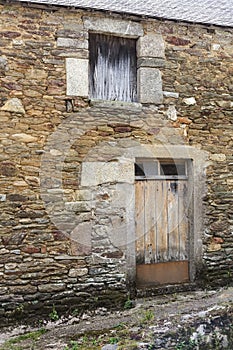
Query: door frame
x,y
198,163
168,178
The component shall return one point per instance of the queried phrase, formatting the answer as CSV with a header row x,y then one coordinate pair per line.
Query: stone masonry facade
x,y
67,162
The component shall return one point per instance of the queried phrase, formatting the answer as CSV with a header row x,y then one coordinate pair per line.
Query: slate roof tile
x,y
219,12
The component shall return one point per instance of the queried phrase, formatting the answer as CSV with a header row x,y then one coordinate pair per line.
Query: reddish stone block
x,y
30,249
9,34
43,249
177,41
7,169
184,120
153,131
59,236
218,240
123,129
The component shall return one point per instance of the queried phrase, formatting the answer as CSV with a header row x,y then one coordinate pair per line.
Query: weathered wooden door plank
x,y
140,221
162,229
183,220
150,222
173,220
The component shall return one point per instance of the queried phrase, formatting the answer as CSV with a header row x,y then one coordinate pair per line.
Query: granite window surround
x,y
150,51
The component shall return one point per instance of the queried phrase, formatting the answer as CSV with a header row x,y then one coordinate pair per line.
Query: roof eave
x,y
126,14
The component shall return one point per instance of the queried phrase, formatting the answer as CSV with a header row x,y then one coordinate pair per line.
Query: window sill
x,y
116,104
162,177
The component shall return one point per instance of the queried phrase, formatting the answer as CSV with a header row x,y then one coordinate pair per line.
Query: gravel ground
x,y
161,322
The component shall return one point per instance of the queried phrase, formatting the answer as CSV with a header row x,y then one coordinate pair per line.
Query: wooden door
x,y
161,232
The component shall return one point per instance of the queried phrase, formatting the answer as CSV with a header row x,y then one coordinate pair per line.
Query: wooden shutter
x,y
113,68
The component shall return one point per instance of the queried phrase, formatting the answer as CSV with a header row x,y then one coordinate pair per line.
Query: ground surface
x,y
178,321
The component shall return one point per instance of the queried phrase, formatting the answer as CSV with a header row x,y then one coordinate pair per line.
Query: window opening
x,y
147,169
160,169
172,168
113,68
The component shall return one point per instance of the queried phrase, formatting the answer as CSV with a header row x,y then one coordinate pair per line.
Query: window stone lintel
x,y
117,27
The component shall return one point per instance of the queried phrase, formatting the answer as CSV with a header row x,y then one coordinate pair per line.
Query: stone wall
x,y
66,163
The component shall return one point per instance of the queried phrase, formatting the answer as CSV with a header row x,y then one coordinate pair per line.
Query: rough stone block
x,y
78,206
150,62
110,347
37,74
77,77
3,63
2,197
71,30
218,157
96,173
150,86
13,105
189,101
225,104
78,272
114,26
83,195
81,239
22,137
172,113
131,106
170,94
151,45
69,42
8,169
51,287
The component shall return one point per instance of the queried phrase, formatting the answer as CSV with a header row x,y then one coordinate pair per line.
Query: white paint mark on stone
x,y
189,101
2,197
171,113
216,47
171,94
